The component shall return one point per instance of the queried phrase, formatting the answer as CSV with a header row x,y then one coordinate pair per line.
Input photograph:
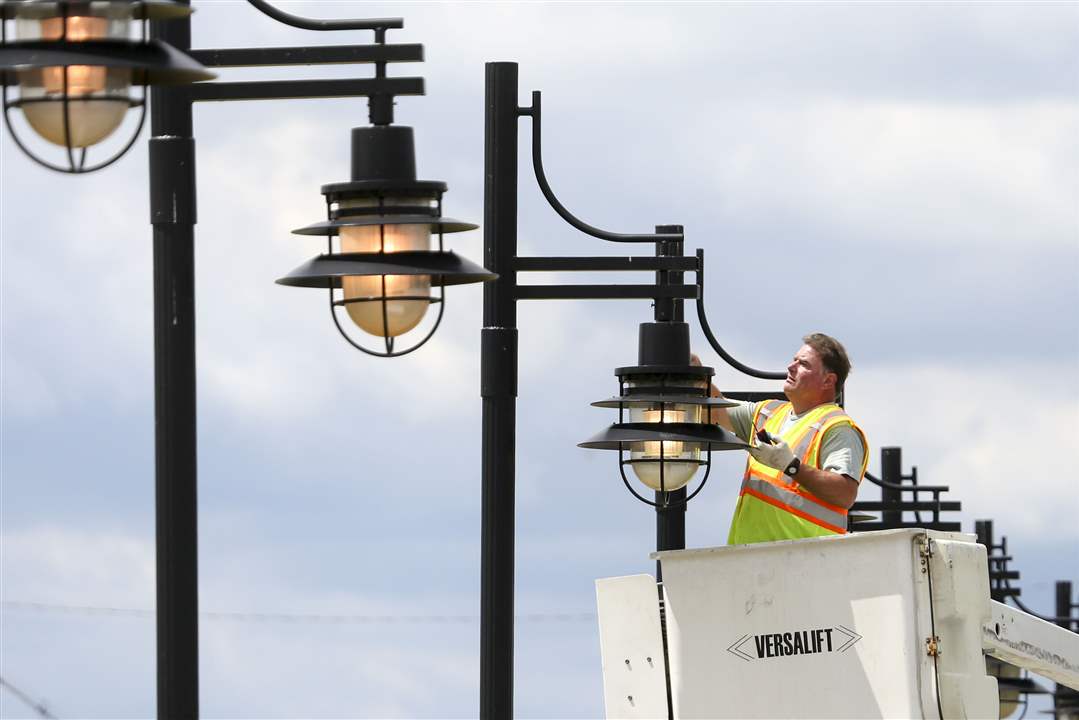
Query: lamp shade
x,y
389,264
666,428
73,65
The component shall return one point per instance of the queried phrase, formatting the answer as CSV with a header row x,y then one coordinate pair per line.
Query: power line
x,y
38,707
310,618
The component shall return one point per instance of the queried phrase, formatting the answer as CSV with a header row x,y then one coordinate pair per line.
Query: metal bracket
x,y
925,552
305,23
602,264
303,89
707,330
314,55
932,646
605,292
537,165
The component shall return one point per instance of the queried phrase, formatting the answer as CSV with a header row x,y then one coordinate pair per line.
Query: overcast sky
x,y
903,176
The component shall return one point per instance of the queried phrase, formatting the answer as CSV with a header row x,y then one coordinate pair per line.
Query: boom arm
x,y
1021,639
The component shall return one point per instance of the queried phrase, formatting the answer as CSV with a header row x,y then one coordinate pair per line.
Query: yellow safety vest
x,y
772,506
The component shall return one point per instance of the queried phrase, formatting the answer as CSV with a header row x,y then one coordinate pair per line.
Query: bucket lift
x,y
895,623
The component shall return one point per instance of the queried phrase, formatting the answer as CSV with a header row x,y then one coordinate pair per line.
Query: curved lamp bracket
x,y
304,23
390,352
741,367
535,113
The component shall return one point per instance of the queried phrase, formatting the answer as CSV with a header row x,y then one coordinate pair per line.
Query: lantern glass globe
x,y
97,96
406,297
679,460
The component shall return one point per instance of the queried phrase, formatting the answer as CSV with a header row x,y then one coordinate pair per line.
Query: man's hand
x,y
777,456
828,486
717,416
713,391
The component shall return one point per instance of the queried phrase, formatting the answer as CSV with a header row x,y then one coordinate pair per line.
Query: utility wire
x,y
311,618
38,707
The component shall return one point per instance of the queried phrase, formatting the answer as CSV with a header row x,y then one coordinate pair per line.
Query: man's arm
x,y
843,451
831,487
836,483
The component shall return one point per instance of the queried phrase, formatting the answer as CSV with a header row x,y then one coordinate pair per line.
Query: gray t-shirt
x,y
841,447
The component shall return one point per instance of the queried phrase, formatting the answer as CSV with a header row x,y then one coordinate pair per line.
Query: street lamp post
x,y
172,172
661,386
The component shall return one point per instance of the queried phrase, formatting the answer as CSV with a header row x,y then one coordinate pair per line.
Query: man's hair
x,y
833,356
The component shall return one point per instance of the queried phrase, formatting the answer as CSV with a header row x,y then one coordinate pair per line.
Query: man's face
x,y
807,379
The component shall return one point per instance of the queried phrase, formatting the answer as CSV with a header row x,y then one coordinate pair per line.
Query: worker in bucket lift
x,y
806,456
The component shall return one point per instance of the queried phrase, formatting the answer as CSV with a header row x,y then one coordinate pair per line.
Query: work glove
x,y
777,456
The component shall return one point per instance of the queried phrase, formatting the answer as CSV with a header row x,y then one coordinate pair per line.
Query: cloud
x,y
1000,437
79,566
971,177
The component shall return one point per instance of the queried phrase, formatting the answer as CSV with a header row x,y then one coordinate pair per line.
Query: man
x,y
800,482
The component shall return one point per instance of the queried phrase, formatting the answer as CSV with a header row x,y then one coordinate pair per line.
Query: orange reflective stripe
x,y
804,445
767,409
780,480
770,406
800,437
763,496
813,498
768,475
800,446
828,425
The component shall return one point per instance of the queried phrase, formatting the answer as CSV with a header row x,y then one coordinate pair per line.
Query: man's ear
x,y
830,380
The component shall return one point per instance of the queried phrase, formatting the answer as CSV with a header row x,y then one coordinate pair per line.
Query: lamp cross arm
x,y
605,292
603,264
312,55
944,505
304,89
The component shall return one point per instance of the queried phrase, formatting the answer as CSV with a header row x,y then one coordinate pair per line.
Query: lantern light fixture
x,y
74,63
670,433
384,268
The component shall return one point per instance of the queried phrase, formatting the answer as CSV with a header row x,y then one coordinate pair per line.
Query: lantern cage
x,y
670,433
384,269
1014,686
74,63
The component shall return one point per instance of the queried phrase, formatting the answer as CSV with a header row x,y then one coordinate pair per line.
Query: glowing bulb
x,y
97,96
400,315
671,448
678,461
81,79
79,28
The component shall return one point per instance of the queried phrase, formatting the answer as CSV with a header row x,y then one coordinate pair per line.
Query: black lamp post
x,y
663,388
73,63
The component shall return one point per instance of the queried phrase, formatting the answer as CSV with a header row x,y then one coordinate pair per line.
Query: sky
x,y
902,176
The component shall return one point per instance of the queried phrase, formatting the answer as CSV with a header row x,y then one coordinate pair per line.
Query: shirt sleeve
x,y
843,452
742,419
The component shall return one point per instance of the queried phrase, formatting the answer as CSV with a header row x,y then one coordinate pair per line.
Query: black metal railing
x,y
901,503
